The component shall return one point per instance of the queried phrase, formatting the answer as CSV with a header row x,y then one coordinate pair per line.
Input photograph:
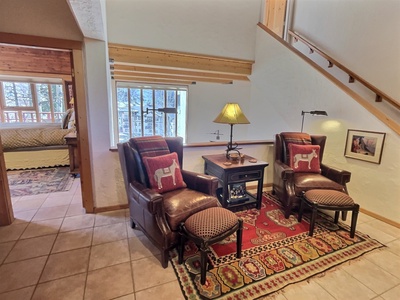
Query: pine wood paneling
x,y
34,60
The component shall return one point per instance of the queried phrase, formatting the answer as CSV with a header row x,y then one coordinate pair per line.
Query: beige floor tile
x,y
386,260
5,249
392,294
75,210
77,222
372,276
21,294
126,297
67,288
66,264
102,284
110,217
306,291
148,272
57,201
141,247
375,233
12,232
133,232
34,197
275,296
341,285
394,247
24,216
109,233
170,290
46,213
28,204
41,228
21,274
73,240
108,254
30,248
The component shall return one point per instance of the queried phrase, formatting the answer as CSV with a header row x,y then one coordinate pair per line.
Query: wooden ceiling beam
x,y
134,75
165,58
153,80
180,72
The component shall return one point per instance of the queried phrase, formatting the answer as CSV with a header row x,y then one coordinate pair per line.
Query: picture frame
x,y
364,145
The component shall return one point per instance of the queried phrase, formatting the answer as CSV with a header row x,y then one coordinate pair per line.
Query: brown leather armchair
x,y
289,185
159,215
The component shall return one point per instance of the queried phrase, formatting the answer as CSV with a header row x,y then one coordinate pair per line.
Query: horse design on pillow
x,y
166,172
305,157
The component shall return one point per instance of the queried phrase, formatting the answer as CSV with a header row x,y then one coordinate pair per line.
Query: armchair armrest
x,y
146,198
282,170
200,182
337,175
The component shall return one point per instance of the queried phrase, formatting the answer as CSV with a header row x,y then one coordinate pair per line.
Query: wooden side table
x,y
237,172
72,142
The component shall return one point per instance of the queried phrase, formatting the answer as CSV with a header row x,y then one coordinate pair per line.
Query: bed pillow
x,y
304,158
164,172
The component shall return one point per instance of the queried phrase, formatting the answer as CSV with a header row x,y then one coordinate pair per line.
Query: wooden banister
x,y
352,76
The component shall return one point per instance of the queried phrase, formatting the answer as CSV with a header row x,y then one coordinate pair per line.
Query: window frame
x,y
34,110
181,108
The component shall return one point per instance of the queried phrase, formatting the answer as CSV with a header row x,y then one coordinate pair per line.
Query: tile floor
x,y
55,251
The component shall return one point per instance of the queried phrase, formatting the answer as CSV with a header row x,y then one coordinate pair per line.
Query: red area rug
x,y
276,252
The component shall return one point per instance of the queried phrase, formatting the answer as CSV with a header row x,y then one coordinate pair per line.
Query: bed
x,y
34,145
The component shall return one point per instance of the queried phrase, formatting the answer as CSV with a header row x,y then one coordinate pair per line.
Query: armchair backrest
x,y
283,139
131,153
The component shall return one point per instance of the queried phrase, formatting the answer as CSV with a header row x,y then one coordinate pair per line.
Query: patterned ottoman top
x,y
211,222
329,197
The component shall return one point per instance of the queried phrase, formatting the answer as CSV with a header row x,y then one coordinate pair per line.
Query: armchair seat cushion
x,y
311,181
181,204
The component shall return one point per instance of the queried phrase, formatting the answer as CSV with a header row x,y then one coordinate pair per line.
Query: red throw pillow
x,y
304,158
164,172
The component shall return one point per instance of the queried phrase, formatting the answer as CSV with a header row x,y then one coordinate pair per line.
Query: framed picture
x,y
364,145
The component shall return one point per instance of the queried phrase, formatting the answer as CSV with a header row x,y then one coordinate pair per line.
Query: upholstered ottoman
x,y
207,227
329,200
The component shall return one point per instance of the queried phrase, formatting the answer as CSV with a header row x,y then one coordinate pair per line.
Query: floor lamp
x,y
313,113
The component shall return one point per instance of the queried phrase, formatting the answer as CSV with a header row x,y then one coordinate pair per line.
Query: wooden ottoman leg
x,y
301,207
181,248
354,217
239,233
313,218
337,213
203,263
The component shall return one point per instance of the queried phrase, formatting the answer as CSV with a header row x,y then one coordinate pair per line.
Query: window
x,y
150,110
28,102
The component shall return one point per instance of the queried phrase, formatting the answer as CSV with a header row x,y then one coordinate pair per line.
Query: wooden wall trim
x,y
39,41
6,211
83,132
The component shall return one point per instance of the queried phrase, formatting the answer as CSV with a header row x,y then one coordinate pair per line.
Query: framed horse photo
x,y
364,145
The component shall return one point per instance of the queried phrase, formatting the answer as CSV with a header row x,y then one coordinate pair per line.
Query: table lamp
x,y
231,114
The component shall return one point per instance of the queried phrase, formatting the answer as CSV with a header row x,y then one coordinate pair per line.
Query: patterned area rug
x,y
276,252
39,181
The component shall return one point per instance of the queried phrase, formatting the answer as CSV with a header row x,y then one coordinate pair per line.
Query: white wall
x,y
292,86
213,27
361,34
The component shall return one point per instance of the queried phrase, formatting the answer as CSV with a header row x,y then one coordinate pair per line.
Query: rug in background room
x,y
39,181
276,252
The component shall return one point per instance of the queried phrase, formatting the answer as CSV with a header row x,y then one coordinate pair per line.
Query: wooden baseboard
x,y
110,208
379,217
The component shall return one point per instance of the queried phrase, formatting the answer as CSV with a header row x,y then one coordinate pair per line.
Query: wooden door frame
x,y
77,72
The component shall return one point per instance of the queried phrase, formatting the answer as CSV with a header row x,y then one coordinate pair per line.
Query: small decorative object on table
x,y
237,193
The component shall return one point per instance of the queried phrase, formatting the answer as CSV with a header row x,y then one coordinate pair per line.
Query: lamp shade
x,y
231,114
